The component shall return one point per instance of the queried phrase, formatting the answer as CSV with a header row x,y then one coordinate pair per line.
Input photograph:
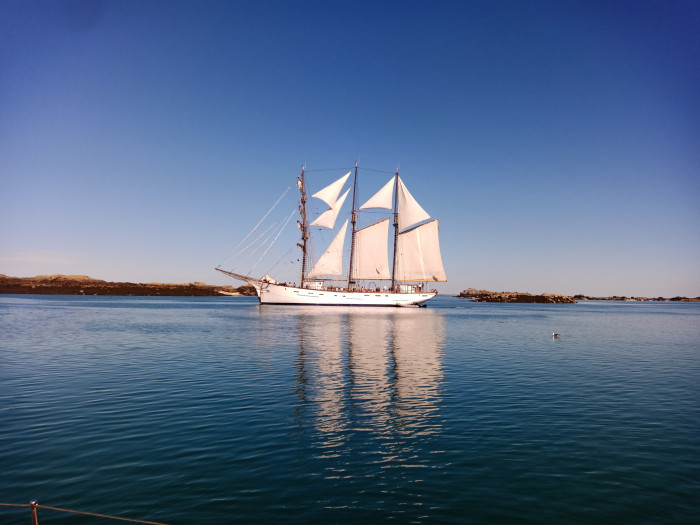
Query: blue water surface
x,y
219,410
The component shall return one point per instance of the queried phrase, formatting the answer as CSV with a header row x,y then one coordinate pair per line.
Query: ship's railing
x,y
34,507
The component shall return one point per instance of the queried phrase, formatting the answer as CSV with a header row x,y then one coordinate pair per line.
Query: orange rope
x,y
81,512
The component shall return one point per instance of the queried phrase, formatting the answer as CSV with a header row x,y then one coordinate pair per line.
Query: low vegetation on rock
x,y
83,285
486,296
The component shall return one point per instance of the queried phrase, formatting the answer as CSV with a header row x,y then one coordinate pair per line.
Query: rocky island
x,y
83,285
486,296
581,297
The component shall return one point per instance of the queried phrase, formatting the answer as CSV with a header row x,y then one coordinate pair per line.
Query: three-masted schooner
x,y
416,257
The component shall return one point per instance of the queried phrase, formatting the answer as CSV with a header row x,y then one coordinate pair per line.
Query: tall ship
x,y
372,278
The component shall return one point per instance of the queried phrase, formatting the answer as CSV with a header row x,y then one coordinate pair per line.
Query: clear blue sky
x,y
557,142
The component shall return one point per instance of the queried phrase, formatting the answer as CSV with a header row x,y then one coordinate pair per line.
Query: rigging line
x,y
275,239
328,169
261,246
378,171
266,240
282,259
265,216
351,168
260,221
256,239
240,257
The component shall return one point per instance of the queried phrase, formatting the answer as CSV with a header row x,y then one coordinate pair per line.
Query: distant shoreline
x,y
59,284
486,296
83,285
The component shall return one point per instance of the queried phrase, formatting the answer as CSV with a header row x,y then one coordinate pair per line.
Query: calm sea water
x,y
217,410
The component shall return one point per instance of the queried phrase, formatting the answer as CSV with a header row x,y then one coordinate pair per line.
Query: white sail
x,y
384,198
419,256
328,217
330,193
331,262
410,212
371,260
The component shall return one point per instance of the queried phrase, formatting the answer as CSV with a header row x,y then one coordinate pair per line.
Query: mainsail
x,y
371,261
418,251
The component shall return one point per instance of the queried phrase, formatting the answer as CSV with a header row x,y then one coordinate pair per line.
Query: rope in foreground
x,y
34,506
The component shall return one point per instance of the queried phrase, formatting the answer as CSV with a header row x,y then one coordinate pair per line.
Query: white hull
x,y
269,293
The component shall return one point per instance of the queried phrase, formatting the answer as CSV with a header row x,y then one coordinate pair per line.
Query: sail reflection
x,y
325,378
369,378
417,352
368,355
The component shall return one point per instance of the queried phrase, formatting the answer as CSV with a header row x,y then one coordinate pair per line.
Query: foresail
x,y
410,212
330,193
384,198
371,260
419,256
328,217
331,262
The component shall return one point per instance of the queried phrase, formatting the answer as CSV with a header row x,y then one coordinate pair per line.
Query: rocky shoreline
x,y
624,298
83,285
486,296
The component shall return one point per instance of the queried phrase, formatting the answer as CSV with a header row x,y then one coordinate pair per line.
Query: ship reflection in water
x,y
369,383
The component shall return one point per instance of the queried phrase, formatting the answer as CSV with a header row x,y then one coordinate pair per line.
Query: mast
x,y
396,229
354,223
304,226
